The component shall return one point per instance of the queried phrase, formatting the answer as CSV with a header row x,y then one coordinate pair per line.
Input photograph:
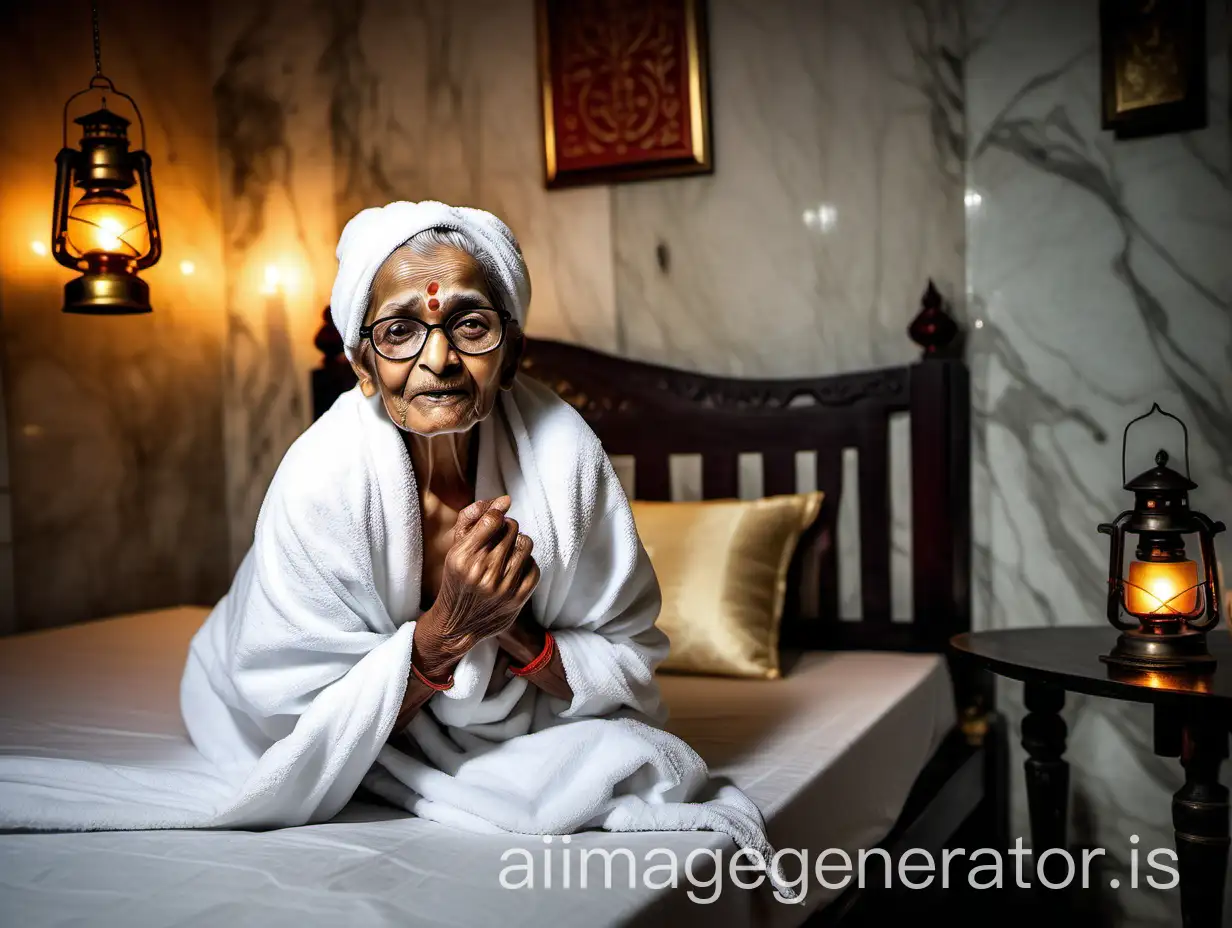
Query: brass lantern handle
x,y
1116,529
101,82
1211,585
1125,438
150,258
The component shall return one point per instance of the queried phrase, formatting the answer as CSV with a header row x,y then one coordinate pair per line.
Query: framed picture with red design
x,y
1153,66
624,90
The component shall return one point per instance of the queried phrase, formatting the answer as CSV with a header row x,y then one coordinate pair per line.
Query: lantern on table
x,y
1173,601
103,233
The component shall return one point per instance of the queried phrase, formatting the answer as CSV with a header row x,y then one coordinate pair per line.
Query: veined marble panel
x,y
114,424
279,231
1098,274
433,100
837,194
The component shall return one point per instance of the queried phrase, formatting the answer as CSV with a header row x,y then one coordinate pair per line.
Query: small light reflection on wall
x,y
280,278
823,218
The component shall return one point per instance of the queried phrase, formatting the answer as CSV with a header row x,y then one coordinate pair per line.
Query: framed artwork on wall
x,y
624,90
1153,62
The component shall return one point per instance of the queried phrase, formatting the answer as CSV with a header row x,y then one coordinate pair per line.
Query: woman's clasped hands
x,y
488,577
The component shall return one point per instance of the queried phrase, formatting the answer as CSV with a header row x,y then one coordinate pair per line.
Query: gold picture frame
x,y
1153,64
624,90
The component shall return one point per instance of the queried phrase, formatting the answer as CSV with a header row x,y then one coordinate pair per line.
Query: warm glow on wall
x,y
1169,588
39,248
273,278
187,268
279,278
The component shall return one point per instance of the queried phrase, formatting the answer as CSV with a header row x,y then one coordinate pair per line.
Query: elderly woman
x,y
446,600
438,346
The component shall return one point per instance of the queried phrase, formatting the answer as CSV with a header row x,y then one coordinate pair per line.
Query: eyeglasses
x,y
474,332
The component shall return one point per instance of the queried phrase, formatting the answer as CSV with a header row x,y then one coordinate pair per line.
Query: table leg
x,y
1200,817
1047,774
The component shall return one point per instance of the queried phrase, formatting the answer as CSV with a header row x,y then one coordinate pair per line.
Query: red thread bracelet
x,y
544,658
439,687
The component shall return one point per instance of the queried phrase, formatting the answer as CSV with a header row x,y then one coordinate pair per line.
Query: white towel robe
x,y
293,683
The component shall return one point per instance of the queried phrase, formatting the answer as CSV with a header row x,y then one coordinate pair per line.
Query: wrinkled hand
x,y
488,576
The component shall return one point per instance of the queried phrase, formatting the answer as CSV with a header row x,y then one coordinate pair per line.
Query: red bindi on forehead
x,y
433,303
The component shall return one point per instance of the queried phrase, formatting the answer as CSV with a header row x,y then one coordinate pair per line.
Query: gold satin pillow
x,y
722,566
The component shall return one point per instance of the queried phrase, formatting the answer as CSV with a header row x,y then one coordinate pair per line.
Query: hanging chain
x,y
98,52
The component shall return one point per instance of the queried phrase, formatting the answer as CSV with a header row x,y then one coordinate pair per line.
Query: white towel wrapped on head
x,y
294,682
380,230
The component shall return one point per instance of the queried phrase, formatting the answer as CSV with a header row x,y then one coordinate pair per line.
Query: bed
x,y
870,738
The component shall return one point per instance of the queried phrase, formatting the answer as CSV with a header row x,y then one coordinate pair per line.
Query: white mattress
x,y
829,753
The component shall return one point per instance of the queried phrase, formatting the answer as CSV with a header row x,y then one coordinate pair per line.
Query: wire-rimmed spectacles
x,y
470,332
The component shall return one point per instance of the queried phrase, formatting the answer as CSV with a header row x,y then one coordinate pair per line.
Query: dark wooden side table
x,y
1193,716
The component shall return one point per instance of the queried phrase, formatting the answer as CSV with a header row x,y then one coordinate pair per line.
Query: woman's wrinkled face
x,y
440,389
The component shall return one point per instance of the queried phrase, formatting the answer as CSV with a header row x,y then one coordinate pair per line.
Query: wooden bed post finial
x,y
328,340
335,375
933,328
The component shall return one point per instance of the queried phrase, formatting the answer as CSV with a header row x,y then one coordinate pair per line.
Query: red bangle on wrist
x,y
439,687
544,658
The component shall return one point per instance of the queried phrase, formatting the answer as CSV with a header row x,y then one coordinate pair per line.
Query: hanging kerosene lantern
x,y
1174,602
104,234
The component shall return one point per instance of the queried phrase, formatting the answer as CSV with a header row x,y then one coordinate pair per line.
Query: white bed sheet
x,y
829,753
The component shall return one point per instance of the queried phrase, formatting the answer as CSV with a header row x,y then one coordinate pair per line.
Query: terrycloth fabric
x,y
372,234
293,683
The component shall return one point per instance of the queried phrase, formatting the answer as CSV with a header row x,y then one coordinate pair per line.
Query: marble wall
x,y
433,100
838,192
113,424
1098,275
278,233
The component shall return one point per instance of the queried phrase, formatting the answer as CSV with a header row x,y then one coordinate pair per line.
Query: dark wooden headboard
x,y
651,413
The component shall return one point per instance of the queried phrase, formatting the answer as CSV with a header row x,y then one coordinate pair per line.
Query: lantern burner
x,y
1160,548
